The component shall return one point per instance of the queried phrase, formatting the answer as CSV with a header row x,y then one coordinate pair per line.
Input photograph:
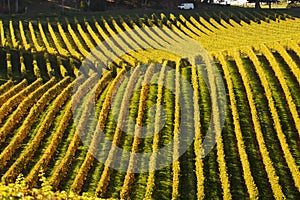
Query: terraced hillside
x,y
256,153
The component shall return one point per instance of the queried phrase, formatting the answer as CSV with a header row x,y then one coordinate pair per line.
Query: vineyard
x,y
257,154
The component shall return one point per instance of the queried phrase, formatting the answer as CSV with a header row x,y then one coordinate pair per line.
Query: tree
x,y
8,6
97,5
257,4
88,3
17,6
269,3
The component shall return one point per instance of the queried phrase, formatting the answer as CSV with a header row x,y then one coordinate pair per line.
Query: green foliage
x,y
20,190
